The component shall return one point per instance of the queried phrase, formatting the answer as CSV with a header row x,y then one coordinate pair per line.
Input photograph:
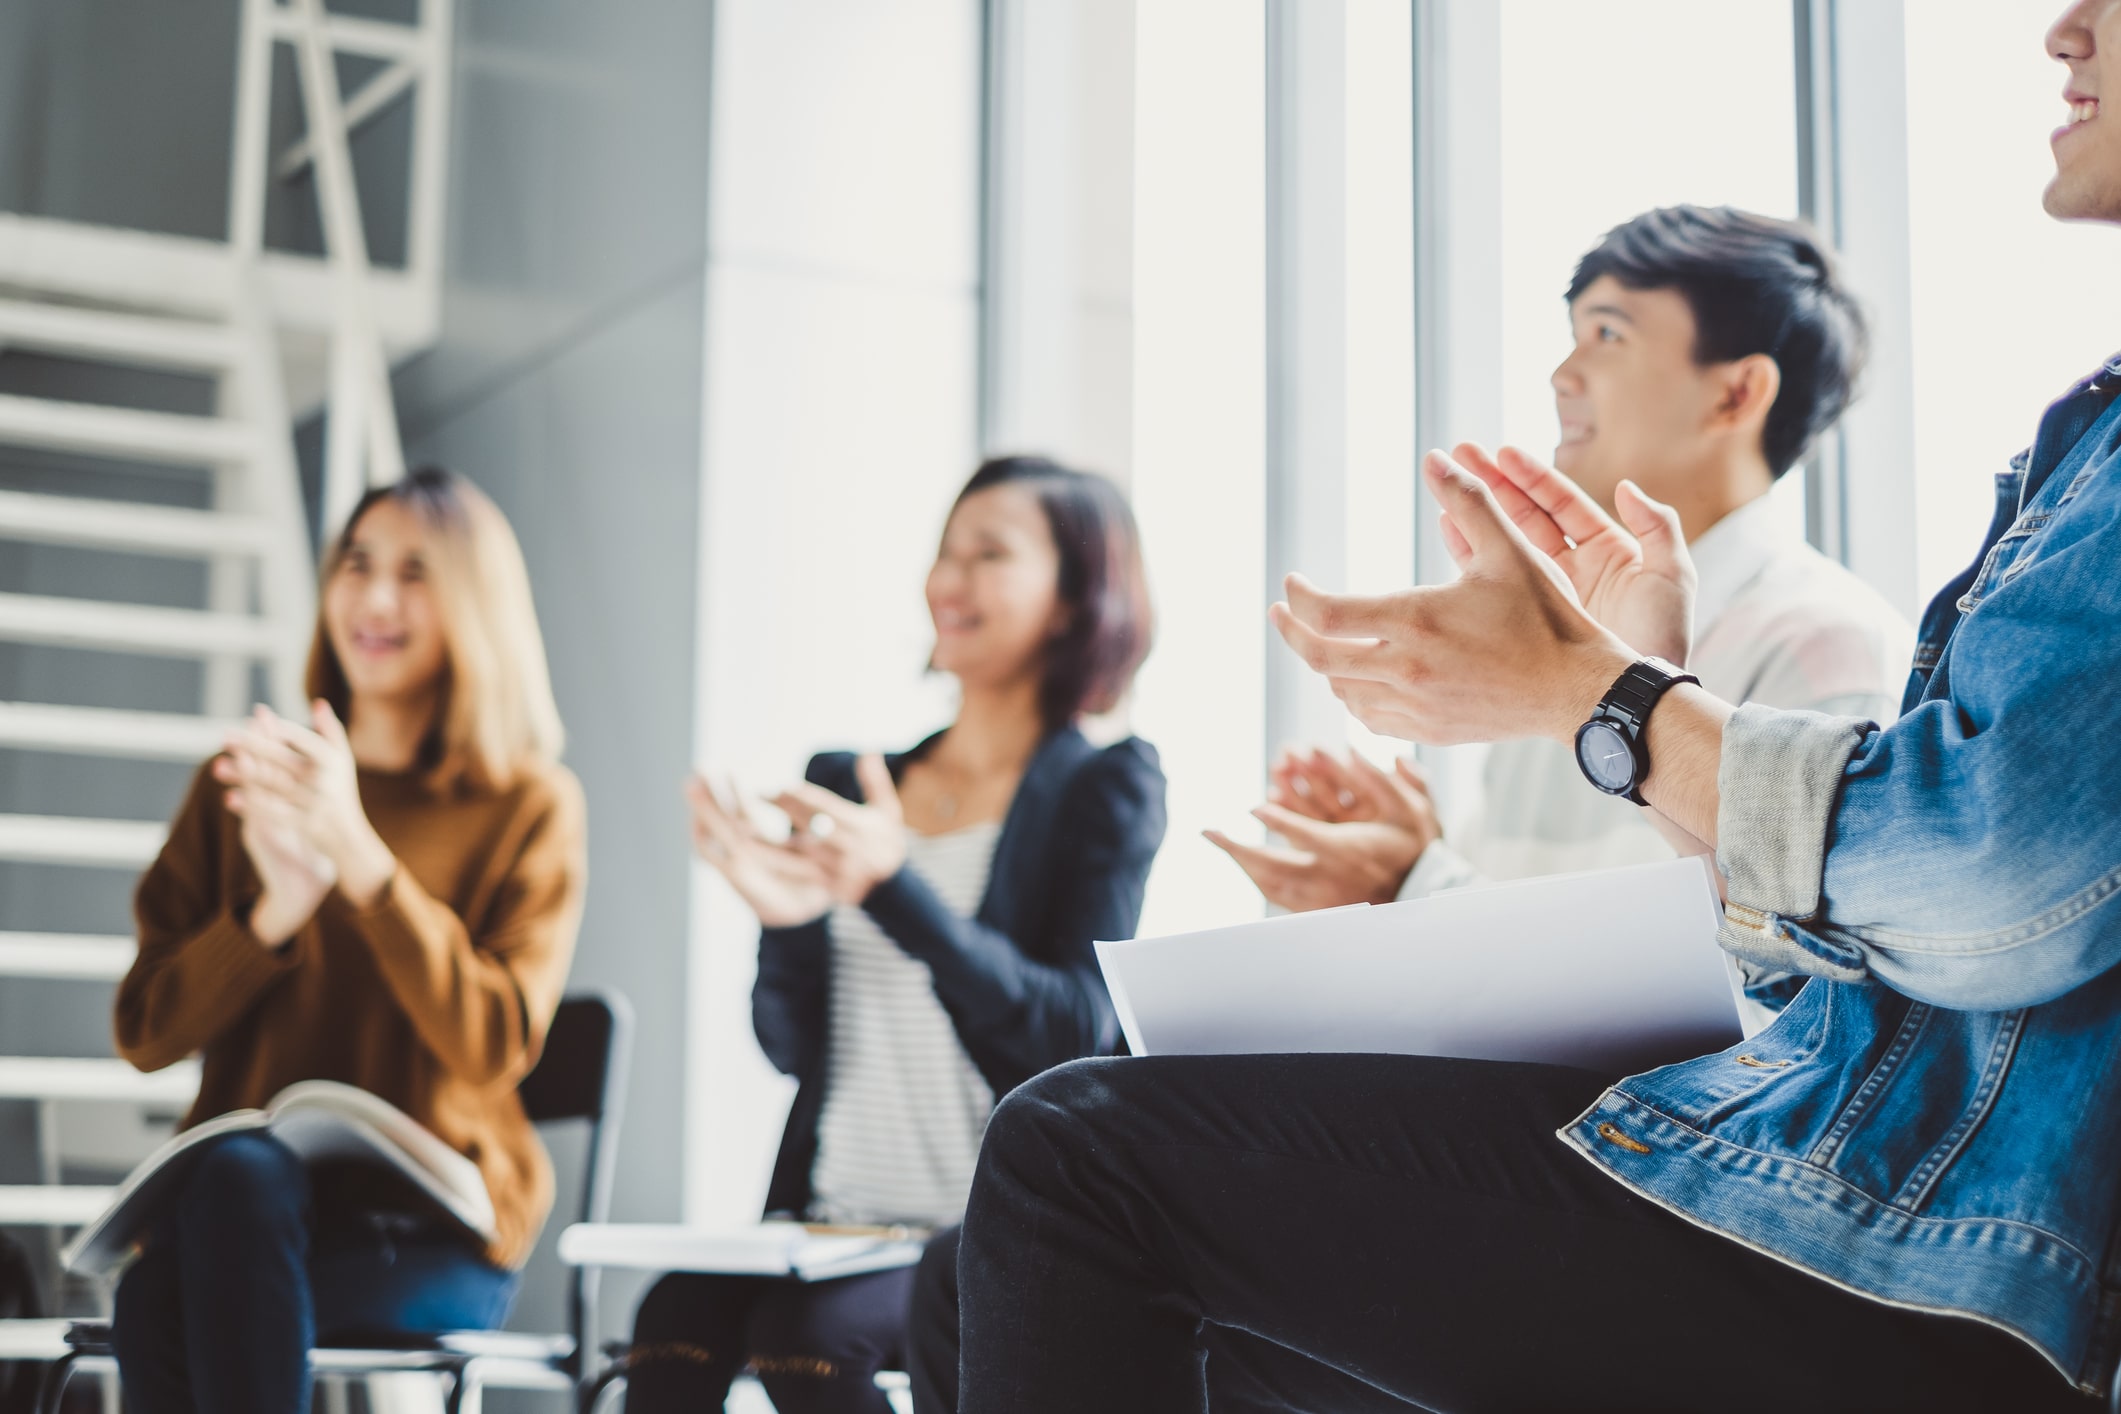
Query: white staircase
x,y
252,323
253,540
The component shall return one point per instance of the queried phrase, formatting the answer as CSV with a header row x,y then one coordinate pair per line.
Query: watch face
x,y
1604,755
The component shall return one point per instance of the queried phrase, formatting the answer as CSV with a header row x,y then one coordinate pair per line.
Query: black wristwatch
x,y
1610,748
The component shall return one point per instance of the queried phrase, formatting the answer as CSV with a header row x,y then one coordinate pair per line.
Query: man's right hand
x,y
1354,831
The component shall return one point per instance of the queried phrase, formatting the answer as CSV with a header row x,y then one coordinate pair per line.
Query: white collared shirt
x,y
1776,622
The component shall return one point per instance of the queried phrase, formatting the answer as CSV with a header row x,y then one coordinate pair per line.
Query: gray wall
x,y
567,384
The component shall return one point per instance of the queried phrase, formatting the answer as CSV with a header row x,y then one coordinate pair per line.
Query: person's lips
x,y
374,642
956,621
2083,111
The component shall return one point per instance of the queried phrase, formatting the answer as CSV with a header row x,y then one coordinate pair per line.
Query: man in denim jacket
x,y
1902,1195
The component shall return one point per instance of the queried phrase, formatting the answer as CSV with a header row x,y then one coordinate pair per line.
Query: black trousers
x,y
815,1346
1359,1233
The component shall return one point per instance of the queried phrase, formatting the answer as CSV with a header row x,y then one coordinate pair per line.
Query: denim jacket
x,y
1935,1119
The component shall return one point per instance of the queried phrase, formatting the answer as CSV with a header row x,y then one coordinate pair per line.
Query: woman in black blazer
x,y
928,931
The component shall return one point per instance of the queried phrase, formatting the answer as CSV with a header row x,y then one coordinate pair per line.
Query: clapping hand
x,y
857,846
1509,649
778,882
295,876
1354,832
297,793
836,850
1634,576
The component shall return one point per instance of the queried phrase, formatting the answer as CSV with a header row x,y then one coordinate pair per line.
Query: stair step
x,y
68,1078
138,339
40,1339
104,731
133,628
75,957
66,839
94,430
52,1204
129,525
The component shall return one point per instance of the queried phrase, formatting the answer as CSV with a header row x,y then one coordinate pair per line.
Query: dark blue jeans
x,y
240,1277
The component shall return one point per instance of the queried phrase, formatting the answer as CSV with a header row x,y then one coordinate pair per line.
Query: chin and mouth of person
x,y
376,662
2065,142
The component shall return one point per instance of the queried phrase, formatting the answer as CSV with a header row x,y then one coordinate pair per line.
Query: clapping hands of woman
x,y
837,851
296,791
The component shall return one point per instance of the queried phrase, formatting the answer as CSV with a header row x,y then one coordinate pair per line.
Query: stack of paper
x,y
1615,971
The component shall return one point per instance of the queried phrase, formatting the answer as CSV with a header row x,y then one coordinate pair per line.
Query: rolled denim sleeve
x,y
1779,780
1968,855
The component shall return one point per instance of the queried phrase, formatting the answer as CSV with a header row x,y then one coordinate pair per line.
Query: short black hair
x,y
1757,286
1092,662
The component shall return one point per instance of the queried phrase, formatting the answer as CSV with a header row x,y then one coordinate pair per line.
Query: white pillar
x,y
1458,278
1307,341
1852,127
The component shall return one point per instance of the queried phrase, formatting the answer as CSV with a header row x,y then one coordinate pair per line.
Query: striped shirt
x,y
904,1105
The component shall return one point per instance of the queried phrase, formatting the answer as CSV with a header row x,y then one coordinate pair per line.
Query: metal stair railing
x,y
361,429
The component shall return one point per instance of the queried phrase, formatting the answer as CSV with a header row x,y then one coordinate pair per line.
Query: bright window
x,y
1609,110
2010,307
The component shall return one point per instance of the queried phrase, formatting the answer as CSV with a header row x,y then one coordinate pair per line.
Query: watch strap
x,y
1635,693
1627,704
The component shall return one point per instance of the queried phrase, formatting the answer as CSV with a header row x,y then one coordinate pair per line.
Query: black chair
x,y
581,1076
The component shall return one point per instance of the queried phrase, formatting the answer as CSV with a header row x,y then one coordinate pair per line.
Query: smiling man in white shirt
x,y
1712,347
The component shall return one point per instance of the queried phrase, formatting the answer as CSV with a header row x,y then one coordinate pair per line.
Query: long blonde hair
x,y
497,713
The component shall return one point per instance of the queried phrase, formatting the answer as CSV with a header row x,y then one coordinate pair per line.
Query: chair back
x,y
581,1075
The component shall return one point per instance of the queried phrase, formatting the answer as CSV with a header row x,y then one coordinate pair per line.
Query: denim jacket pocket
x,y
2005,559
1900,1130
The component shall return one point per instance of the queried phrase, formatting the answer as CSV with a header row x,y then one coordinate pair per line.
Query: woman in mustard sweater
x,y
385,895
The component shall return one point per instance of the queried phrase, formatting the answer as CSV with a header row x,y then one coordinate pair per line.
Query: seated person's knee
x,y
246,1177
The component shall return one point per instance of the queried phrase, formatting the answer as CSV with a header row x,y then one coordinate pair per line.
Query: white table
x,y
680,1247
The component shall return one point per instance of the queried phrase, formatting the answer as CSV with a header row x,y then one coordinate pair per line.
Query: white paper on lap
x,y
1615,971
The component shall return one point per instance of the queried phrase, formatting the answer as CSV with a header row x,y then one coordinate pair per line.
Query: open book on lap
x,y
322,1121
1616,971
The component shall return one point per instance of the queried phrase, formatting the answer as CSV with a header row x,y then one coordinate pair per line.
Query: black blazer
x,y
1019,979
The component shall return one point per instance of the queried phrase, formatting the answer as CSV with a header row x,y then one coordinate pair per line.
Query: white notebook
x,y
318,1119
1616,971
